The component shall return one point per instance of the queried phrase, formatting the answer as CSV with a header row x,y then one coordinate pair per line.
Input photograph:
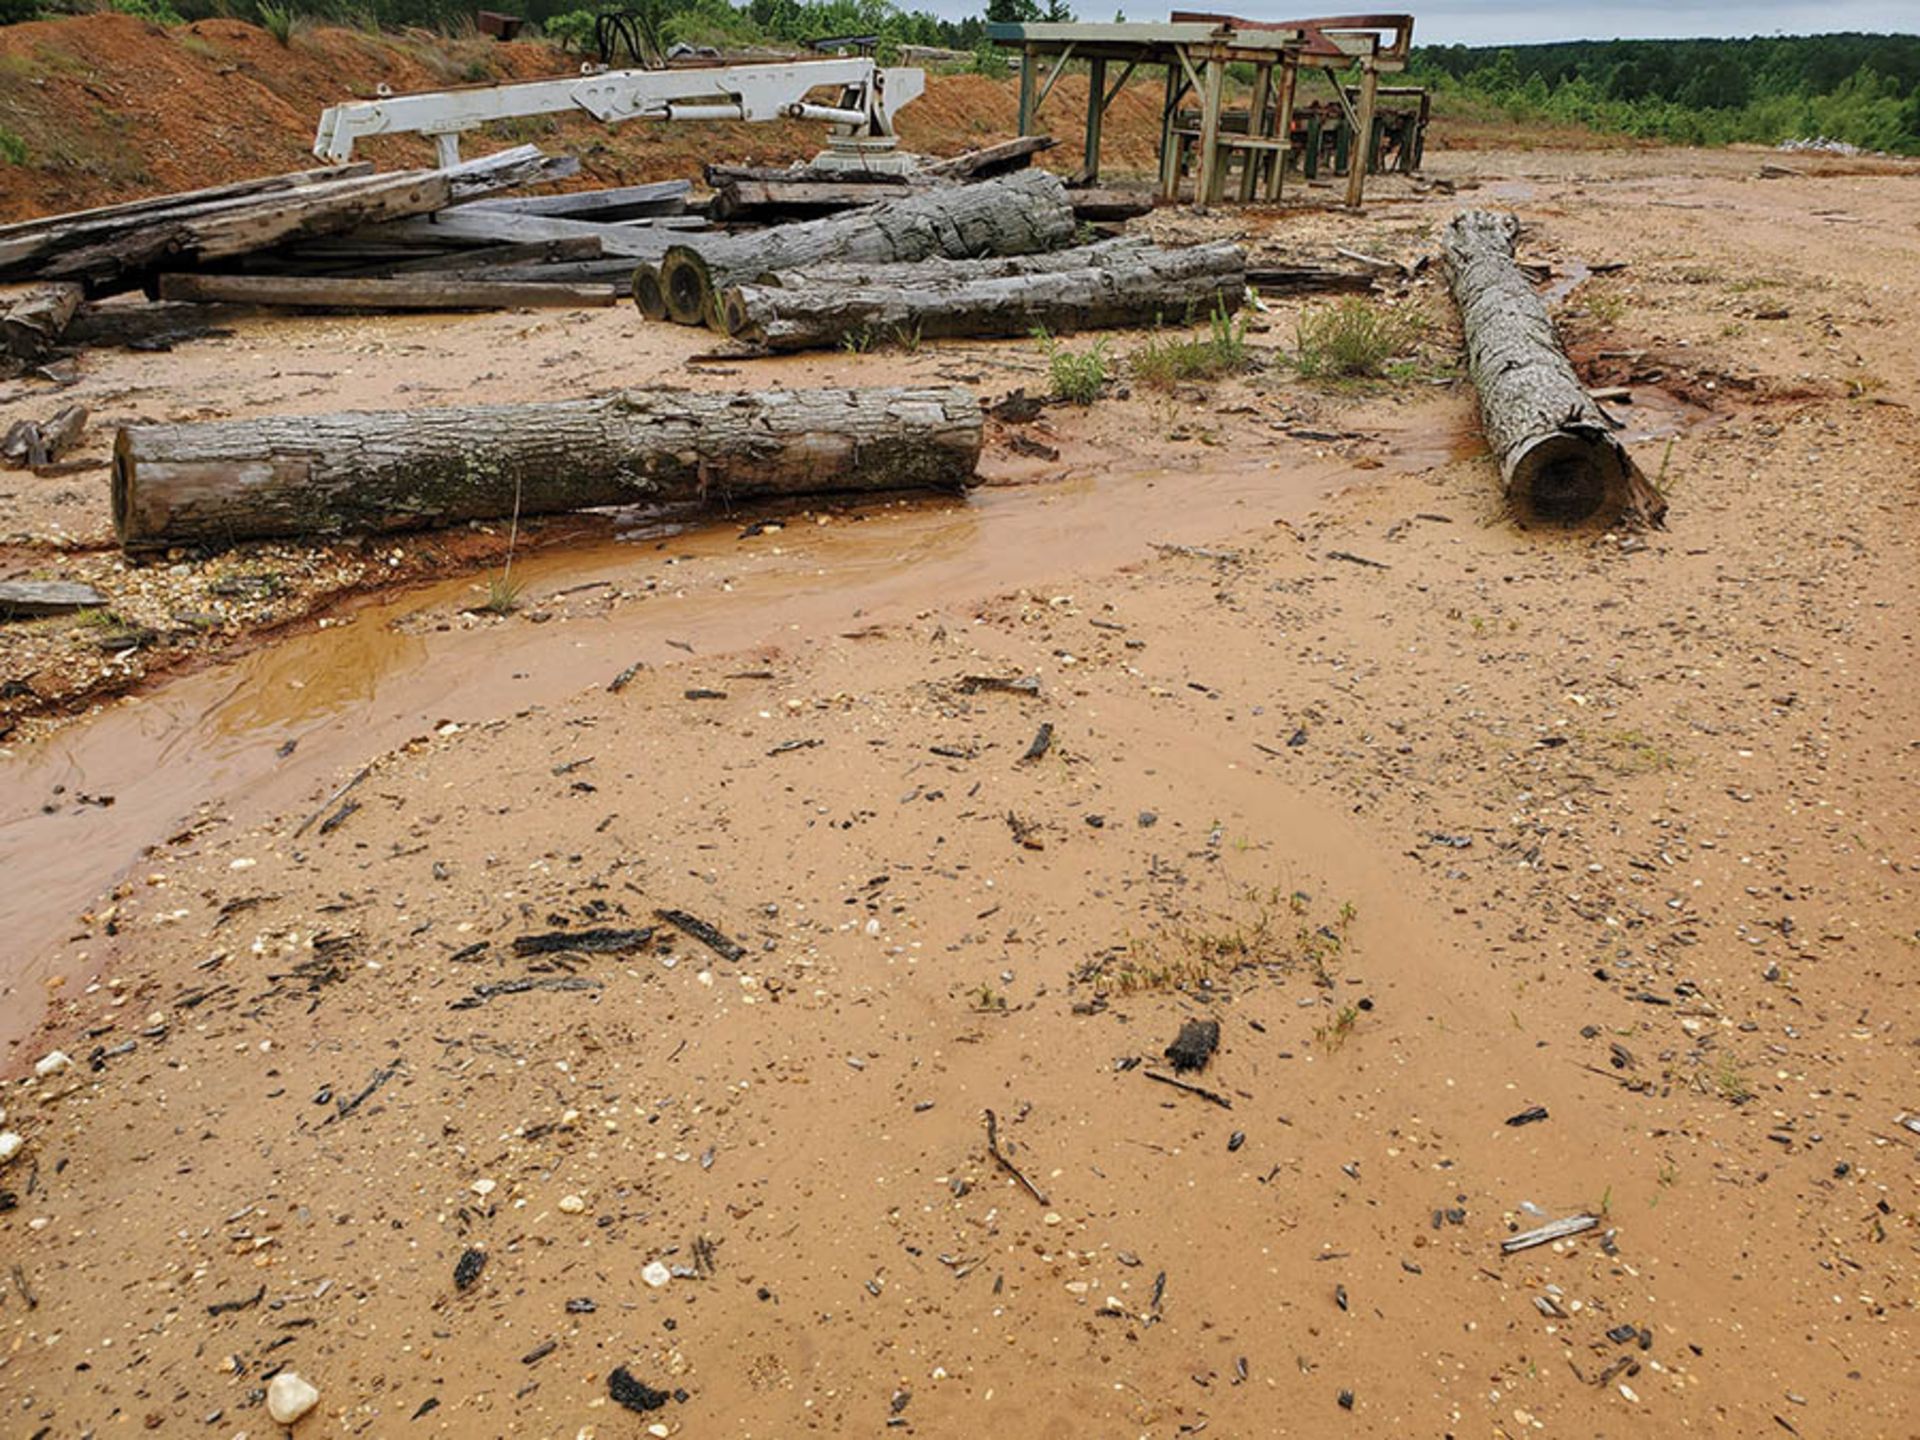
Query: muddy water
x,y
276,730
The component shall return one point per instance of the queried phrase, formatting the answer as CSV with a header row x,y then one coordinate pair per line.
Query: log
x,y
1109,205
937,270
321,475
719,175
1008,155
1019,215
31,444
482,258
408,292
1307,279
1558,455
1141,286
470,226
29,599
791,199
35,322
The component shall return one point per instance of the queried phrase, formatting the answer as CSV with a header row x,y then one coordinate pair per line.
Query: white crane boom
x,y
869,97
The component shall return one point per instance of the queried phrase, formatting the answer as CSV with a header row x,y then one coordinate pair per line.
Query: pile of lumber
x,y
344,237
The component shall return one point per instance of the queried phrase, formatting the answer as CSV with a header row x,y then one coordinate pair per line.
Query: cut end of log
x,y
121,486
1567,477
647,293
685,286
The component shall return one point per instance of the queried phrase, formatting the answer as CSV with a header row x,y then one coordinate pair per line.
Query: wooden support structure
x,y
1195,49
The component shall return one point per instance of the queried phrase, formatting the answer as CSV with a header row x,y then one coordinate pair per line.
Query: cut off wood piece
x,y
1548,1233
35,322
27,599
233,480
1008,155
326,292
623,202
1558,455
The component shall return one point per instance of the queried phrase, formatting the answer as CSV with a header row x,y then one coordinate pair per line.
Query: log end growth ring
x,y
1567,476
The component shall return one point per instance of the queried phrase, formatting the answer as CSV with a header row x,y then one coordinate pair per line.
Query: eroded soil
x,y
1443,820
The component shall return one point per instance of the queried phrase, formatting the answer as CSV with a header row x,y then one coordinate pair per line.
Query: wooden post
x,y
1096,110
1283,124
1256,129
1169,142
1363,137
1026,89
1206,180
1310,160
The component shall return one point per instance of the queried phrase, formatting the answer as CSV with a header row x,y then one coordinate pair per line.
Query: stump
x,y
320,475
1558,455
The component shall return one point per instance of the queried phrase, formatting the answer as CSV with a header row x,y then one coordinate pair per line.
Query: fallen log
x,y
34,445
1110,205
791,199
718,175
938,270
319,475
470,226
1558,455
30,599
35,322
1138,286
1307,279
408,292
1008,155
1019,215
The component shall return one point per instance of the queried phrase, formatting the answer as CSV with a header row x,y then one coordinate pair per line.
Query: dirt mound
x,y
108,108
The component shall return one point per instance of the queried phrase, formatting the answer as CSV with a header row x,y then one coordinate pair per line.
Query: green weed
x,y
1353,339
278,21
13,149
1078,376
1162,364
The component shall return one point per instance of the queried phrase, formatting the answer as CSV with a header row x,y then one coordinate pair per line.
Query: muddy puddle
x,y
276,729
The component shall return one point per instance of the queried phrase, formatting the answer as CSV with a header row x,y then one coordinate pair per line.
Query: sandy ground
x,y
1614,826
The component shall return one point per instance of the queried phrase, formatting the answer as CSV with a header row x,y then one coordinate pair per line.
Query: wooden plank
x,y
1362,151
24,599
493,257
326,292
155,205
1008,155
468,225
625,202
763,199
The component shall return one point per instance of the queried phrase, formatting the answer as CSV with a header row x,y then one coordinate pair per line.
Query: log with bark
x,y
783,200
1021,214
621,202
231,480
1095,206
1007,156
404,292
1557,452
1130,285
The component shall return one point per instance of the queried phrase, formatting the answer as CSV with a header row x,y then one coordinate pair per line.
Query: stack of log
x,y
340,238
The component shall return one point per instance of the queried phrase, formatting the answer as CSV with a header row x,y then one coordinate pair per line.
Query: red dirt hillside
x,y
108,108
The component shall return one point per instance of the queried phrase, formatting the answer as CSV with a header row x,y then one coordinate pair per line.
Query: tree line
x,y
1863,89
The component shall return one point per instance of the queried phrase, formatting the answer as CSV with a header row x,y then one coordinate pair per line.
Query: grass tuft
x,y
1165,363
1077,376
1354,339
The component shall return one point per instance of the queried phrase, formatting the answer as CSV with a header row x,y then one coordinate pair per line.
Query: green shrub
x,y
155,12
572,31
1077,376
1353,339
278,20
1165,363
13,149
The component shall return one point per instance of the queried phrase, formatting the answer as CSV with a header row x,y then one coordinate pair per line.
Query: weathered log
x,y
32,444
1109,205
791,199
406,292
1307,279
1558,454
718,175
1019,215
35,322
1008,155
938,270
339,474
29,599
485,258
1141,286
470,226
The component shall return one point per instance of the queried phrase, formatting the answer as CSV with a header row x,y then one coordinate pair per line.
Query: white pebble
x,y
289,1397
10,1144
572,1204
656,1274
52,1061
483,1188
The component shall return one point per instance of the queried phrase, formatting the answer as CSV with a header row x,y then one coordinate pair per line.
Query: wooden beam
x,y
1252,160
1096,111
1283,126
1363,138
1169,142
1206,182
1052,76
323,292
1026,90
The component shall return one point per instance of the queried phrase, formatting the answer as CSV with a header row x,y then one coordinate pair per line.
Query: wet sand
x,y
1610,826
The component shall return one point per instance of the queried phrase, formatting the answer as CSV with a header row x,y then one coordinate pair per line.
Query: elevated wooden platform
x,y
1195,48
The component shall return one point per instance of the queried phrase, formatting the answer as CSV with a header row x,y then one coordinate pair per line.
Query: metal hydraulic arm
x,y
869,97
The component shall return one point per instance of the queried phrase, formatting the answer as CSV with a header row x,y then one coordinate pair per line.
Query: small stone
x,y
51,1063
572,1204
656,1274
289,1397
10,1144
483,1188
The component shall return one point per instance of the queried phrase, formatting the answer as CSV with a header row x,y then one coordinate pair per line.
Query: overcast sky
x,y
1497,22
